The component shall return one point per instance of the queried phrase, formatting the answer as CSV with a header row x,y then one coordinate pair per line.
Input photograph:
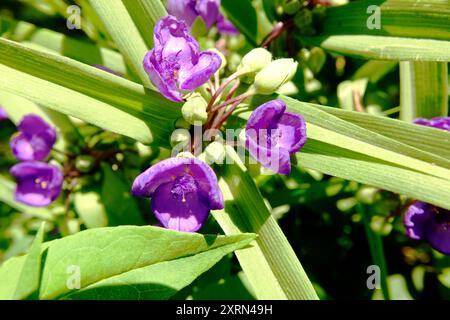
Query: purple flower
x,y
439,122
38,184
3,114
34,140
176,64
423,221
183,191
208,10
273,135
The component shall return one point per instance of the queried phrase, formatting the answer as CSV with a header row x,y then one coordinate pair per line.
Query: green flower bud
x,y
182,124
215,153
84,163
180,137
291,6
194,110
255,60
277,73
317,59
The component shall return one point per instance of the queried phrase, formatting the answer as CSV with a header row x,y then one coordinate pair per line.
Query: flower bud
x,y
194,109
84,163
180,137
215,153
182,124
255,60
291,6
272,77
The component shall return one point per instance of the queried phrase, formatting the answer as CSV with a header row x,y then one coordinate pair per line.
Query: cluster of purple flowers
x,y
184,190
38,183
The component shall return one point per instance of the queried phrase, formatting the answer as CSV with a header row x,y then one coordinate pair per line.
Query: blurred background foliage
x,y
337,228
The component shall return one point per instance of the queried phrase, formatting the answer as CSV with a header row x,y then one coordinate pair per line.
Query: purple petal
x,y
272,135
183,10
438,122
182,214
438,233
208,10
415,218
208,64
293,132
35,139
38,184
166,86
226,27
423,221
170,169
3,114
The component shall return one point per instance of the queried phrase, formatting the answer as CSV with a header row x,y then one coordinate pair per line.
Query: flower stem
x,y
239,98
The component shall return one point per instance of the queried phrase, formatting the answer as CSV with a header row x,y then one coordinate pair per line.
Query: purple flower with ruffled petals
x,y
438,122
34,140
423,221
176,65
3,114
183,191
38,184
273,135
208,10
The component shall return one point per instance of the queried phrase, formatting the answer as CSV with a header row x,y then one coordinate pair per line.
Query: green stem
x,y
376,250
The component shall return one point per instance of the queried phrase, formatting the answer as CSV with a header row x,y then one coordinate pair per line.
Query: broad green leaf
x,y
243,16
121,208
80,87
398,18
58,43
384,47
157,281
125,34
145,15
423,90
7,188
106,254
271,265
21,280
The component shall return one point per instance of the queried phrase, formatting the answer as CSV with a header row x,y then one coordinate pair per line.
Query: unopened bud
x,y
291,6
255,60
180,137
277,73
215,153
194,109
182,124
84,163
